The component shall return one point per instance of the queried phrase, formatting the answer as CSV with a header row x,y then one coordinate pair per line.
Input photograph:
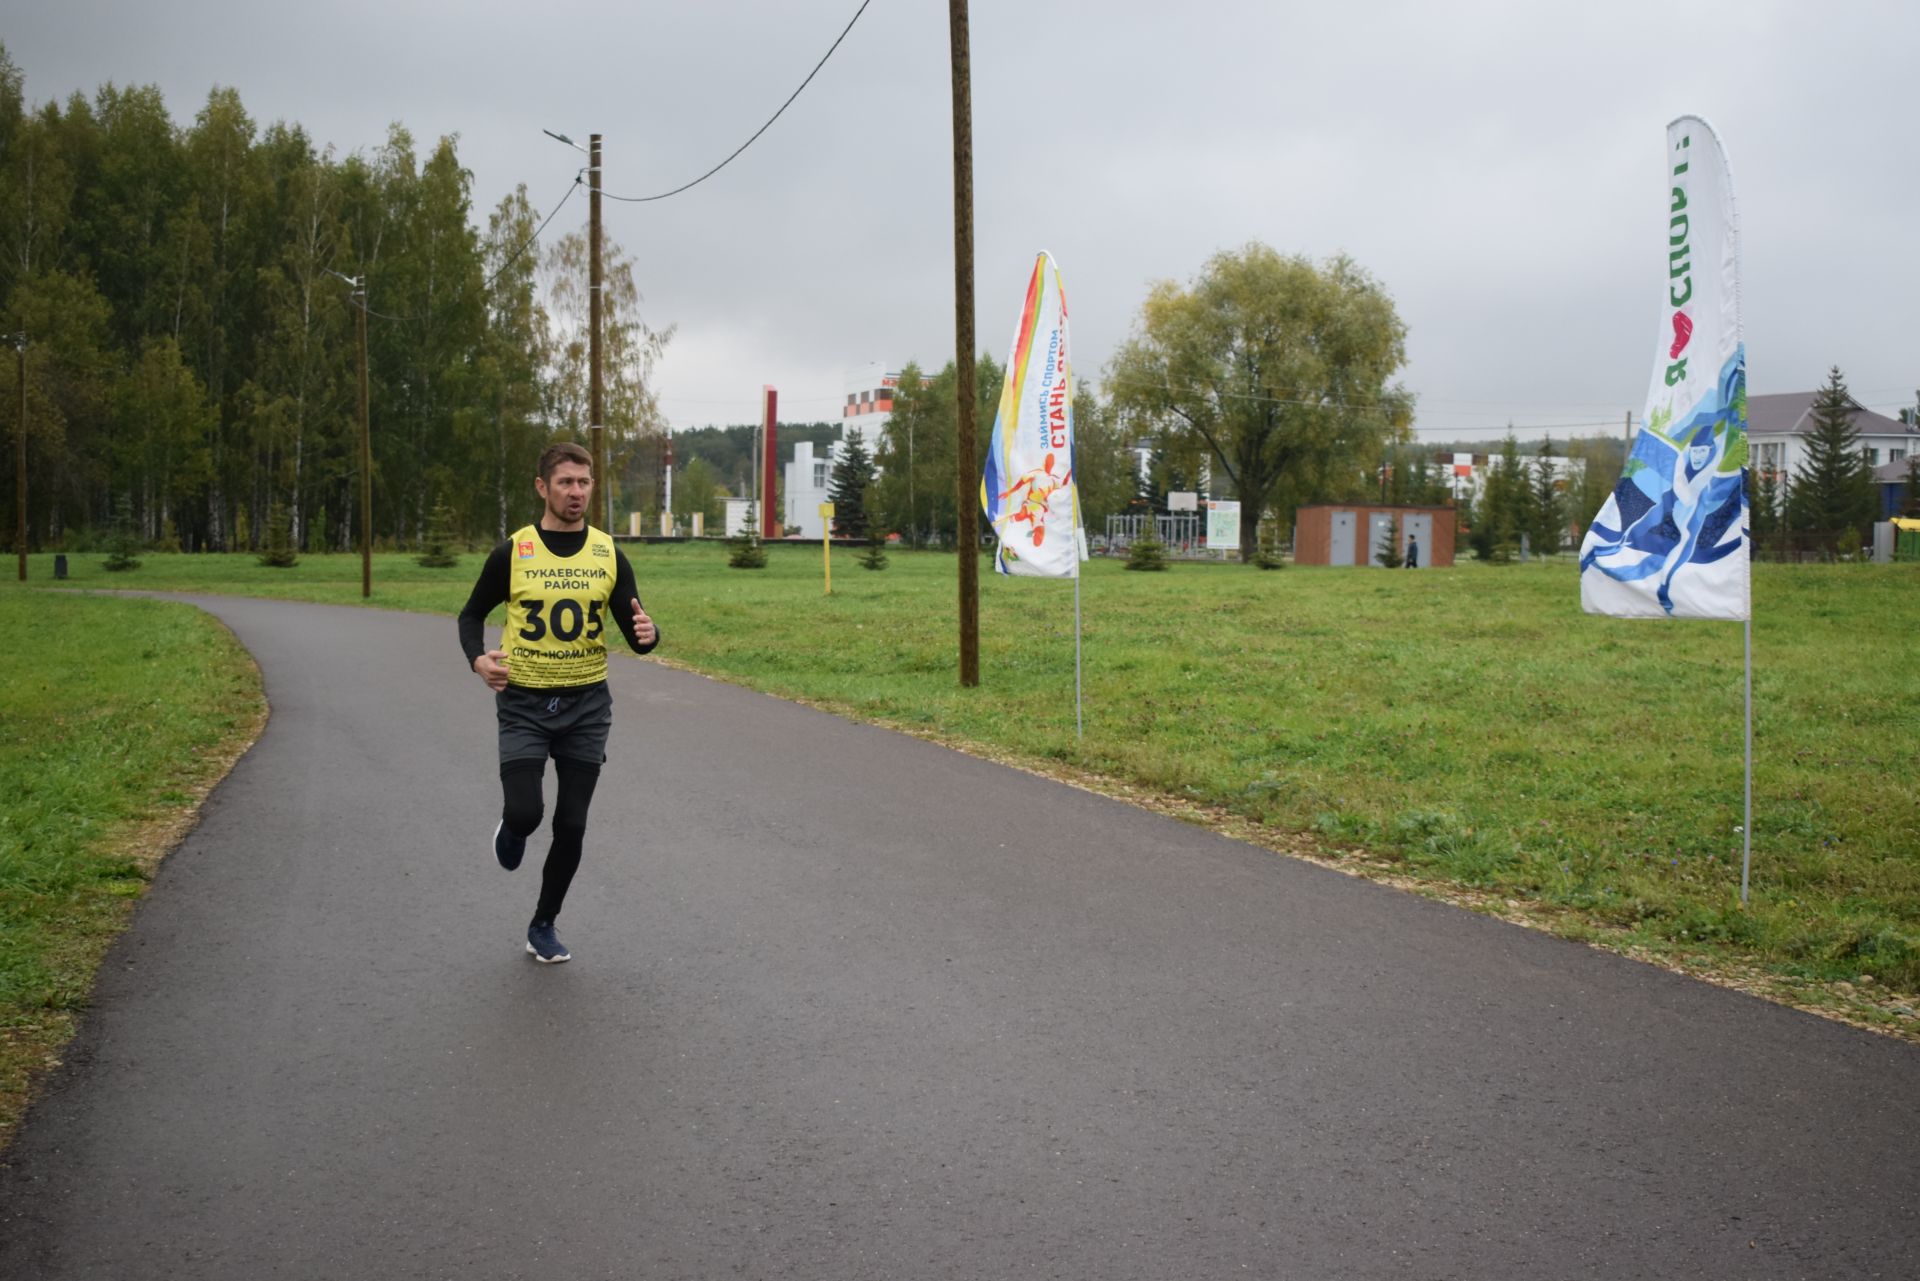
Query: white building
x,y
1465,475
740,517
1778,427
809,476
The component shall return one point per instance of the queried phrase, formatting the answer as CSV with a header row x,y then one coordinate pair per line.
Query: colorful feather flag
x,y
1028,491
1672,540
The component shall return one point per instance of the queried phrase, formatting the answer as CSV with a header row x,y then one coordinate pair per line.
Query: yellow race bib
x,y
557,612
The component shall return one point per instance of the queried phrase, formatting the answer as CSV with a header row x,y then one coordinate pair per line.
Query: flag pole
x,y
1079,727
1746,826
1740,337
1079,559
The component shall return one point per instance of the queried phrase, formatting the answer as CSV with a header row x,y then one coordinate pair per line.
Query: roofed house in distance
x,y
1778,426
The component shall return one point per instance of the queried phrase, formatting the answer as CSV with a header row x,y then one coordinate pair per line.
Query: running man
x,y
562,582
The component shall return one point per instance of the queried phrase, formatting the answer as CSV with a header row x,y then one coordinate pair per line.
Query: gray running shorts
x,y
564,724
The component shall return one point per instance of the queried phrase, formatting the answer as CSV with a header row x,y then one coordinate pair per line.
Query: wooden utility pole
x,y
366,443
596,391
20,459
967,478
770,522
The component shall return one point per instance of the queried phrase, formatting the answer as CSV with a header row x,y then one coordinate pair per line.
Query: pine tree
x,y
847,489
747,552
1832,499
278,550
1763,504
1549,505
124,548
1501,511
875,555
437,553
1147,553
1911,507
1387,554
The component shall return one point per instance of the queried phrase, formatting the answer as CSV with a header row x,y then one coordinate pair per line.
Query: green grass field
x,y
1467,728
114,717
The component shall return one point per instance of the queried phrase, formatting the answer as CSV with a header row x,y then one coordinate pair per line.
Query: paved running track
x,y
840,1009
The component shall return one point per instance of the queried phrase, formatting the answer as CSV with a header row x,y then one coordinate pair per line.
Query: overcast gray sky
x,y
1497,165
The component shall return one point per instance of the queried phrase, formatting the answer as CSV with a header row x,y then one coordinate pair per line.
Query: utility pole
x,y
596,392
666,484
366,443
769,483
967,478
1628,437
20,459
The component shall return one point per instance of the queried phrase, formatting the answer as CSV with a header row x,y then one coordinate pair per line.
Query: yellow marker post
x,y
826,542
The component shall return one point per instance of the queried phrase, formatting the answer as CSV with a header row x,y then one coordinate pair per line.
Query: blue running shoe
x,y
507,847
545,944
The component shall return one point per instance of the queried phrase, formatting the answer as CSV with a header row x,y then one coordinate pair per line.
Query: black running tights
x,y
520,783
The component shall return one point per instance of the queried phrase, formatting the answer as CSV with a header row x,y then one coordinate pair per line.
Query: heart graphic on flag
x,y
1682,331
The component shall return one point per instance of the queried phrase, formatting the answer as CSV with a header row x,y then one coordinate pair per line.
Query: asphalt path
x,y
844,1004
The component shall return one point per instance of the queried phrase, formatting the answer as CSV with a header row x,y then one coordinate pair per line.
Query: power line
x,y
640,200
488,284
1460,433
828,399
748,400
404,320
1411,404
1473,406
1323,403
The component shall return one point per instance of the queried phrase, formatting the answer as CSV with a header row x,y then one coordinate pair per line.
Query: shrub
x,y
278,551
437,553
123,548
1266,553
747,552
1148,553
875,555
1387,554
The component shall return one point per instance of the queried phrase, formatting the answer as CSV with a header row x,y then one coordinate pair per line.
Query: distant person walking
x,y
1413,552
562,582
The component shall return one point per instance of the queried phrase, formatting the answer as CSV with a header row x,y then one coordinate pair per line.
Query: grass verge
x,y
116,718
1466,732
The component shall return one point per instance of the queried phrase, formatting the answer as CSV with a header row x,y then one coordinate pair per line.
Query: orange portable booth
x,y
1351,533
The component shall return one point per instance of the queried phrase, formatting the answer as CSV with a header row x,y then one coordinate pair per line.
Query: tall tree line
x,y
191,341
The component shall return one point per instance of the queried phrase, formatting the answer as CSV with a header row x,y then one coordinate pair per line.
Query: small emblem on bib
x,y
526,551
